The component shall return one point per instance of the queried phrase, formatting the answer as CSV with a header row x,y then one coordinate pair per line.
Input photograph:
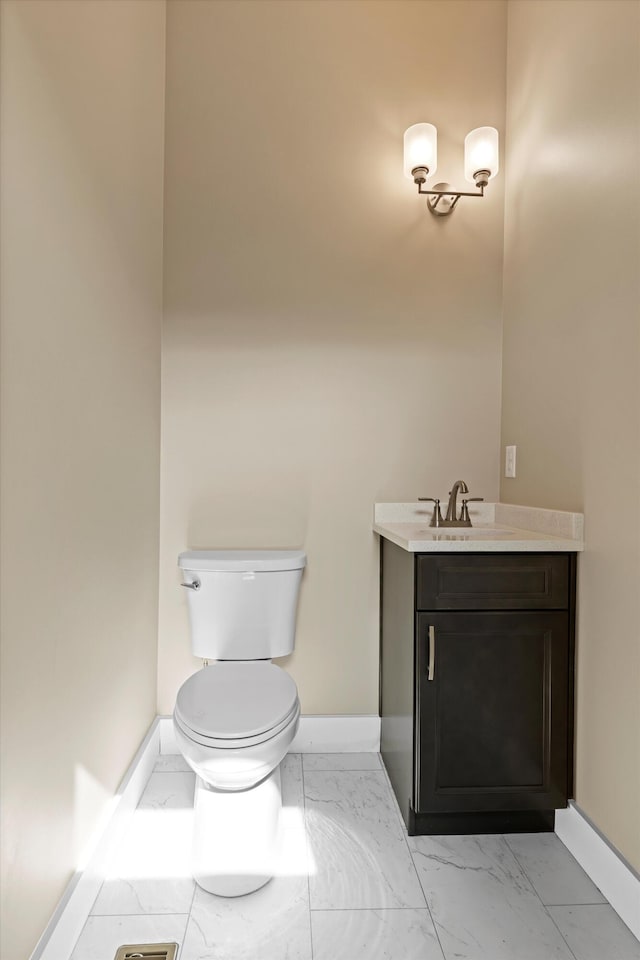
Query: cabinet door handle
x,y
432,653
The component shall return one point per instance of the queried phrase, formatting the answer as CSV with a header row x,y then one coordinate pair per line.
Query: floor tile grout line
x,y
345,770
107,879
171,771
193,897
111,860
533,887
403,828
566,852
394,801
195,884
341,769
379,776
405,837
84,926
365,909
307,850
600,903
187,921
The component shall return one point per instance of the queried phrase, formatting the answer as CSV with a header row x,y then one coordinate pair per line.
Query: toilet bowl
x,y
235,719
234,722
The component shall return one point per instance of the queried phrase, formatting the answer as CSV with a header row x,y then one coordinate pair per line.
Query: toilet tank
x,y
245,605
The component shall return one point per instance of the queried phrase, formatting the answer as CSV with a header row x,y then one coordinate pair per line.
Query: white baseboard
x,y
616,880
68,919
348,734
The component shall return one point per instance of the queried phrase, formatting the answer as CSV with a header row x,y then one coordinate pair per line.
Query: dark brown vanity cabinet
x,y
476,688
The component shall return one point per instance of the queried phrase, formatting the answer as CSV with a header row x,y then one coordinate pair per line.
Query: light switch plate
x,y
510,462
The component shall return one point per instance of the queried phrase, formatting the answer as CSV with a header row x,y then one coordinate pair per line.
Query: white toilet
x,y
235,719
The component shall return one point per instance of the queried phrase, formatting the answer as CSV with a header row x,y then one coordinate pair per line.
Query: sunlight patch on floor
x,y
157,845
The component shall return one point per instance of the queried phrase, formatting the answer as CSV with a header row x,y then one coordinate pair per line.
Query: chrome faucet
x,y
452,519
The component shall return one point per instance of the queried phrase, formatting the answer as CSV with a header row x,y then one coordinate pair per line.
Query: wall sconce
x,y
421,161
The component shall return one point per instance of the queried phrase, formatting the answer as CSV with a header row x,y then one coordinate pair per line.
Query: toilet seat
x,y
237,744
234,704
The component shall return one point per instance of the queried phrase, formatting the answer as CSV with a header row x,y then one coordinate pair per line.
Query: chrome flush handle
x,y
192,586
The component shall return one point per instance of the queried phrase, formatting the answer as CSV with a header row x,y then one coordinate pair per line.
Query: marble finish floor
x,y
350,884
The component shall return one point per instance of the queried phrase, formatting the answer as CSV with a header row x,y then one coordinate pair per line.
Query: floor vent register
x,y
147,951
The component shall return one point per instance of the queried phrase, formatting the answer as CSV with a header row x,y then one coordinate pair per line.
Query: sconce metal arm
x,y
450,193
451,197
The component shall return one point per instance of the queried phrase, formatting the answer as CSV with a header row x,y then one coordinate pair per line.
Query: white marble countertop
x,y
496,528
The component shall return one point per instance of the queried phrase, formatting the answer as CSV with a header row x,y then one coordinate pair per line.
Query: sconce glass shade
x,y
420,148
481,152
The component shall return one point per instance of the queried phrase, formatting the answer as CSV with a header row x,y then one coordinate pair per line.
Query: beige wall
x,y
571,399
327,343
81,232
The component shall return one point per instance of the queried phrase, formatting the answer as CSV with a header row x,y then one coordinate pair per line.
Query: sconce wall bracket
x,y
442,199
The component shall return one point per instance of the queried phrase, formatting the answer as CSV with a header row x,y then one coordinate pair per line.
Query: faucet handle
x,y
436,516
464,514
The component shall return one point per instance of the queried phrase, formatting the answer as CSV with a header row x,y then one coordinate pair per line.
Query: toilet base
x,y
235,836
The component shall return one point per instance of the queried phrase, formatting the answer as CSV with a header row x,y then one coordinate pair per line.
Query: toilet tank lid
x,y
242,560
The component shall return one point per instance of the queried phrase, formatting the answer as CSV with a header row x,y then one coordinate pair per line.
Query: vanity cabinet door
x,y
491,723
